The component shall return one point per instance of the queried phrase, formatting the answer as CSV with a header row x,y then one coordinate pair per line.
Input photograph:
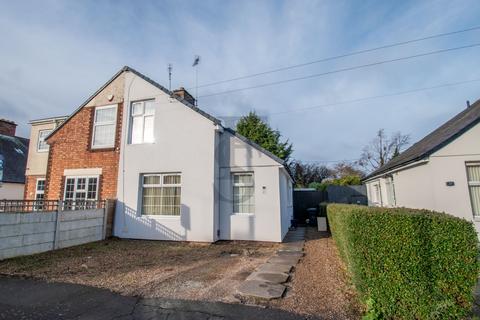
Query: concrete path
x,y
268,281
31,299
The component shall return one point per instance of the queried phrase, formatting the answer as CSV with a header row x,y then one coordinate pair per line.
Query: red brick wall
x,y
70,148
31,186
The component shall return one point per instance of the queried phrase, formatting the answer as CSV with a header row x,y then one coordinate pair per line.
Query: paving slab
x,y
261,289
290,249
287,260
278,277
275,268
297,254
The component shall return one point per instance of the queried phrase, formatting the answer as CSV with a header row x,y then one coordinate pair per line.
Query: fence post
x,y
106,208
57,225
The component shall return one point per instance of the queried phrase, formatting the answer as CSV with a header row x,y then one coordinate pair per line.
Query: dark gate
x,y
304,199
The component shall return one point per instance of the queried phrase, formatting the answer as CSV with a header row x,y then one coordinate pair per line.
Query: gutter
x,y
409,165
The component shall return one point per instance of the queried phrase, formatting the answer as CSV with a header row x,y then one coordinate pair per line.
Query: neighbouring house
x,y
13,158
38,157
176,172
441,172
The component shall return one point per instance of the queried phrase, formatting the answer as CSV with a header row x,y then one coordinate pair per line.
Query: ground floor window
x,y
39,194
390,191
78,189
473,175
40,189
161,194
243,193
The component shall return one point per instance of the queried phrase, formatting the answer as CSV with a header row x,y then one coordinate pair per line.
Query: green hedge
x,y
406,263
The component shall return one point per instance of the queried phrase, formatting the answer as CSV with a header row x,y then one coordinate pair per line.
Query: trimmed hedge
x,y
406,263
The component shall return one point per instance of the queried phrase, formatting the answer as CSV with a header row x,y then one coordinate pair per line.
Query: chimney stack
x,y
184,94
468,104
7,127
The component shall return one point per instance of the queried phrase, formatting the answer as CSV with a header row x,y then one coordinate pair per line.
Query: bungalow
x,y
13,157
177,173
441,172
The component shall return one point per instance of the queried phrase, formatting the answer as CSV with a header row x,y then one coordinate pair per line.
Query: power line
x,y
343,70
376,97
330,161
340,56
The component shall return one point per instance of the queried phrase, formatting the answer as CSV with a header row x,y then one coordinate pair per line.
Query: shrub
x,y
406,263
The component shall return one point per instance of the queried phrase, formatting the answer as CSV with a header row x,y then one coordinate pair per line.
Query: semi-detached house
x,y
176,172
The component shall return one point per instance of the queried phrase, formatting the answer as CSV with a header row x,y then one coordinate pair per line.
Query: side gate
x,y
304,199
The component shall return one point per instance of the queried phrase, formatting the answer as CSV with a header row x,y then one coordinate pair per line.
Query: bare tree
x,y
344,169
382,149
306,173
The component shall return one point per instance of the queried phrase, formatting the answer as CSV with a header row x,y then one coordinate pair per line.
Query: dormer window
x,y
104,124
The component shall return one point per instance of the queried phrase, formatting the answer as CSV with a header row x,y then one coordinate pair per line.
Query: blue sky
x,y
57,53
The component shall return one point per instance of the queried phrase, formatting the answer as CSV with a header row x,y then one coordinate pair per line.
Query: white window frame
x,y
37,192
39,140
243,185
160,185
472,184
87,178
114,122
390,191
142,116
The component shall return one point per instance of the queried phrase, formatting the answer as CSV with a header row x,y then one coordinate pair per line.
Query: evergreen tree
x,y
255,129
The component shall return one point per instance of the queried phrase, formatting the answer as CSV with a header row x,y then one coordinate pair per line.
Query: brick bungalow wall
x,y
70,147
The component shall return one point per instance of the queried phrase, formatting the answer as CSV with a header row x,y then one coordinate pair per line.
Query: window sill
x,y
160,217
243,214
140,143
105,148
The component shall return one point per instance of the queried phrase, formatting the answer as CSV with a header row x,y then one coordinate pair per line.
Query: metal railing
x,y
19,206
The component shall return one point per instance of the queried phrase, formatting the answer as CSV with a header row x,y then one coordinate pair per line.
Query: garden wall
x,y
29,233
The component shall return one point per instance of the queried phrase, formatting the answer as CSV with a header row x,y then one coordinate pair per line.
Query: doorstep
x,y
268,281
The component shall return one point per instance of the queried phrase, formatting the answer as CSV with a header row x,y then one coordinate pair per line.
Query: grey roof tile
x,y
14,153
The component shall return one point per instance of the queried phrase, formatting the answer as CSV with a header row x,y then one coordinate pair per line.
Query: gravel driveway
x,y
149,269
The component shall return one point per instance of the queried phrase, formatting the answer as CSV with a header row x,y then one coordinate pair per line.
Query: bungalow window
x,y
473,174
141,122
81,188
243,193
161,194
42,145
104,124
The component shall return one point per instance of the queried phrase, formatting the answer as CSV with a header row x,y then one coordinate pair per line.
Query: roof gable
x,y
142,76
170,93
436,140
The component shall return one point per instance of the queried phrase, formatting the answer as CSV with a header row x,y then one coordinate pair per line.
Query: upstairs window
x,y
42,145
104,125
473,175
141,122
243,193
